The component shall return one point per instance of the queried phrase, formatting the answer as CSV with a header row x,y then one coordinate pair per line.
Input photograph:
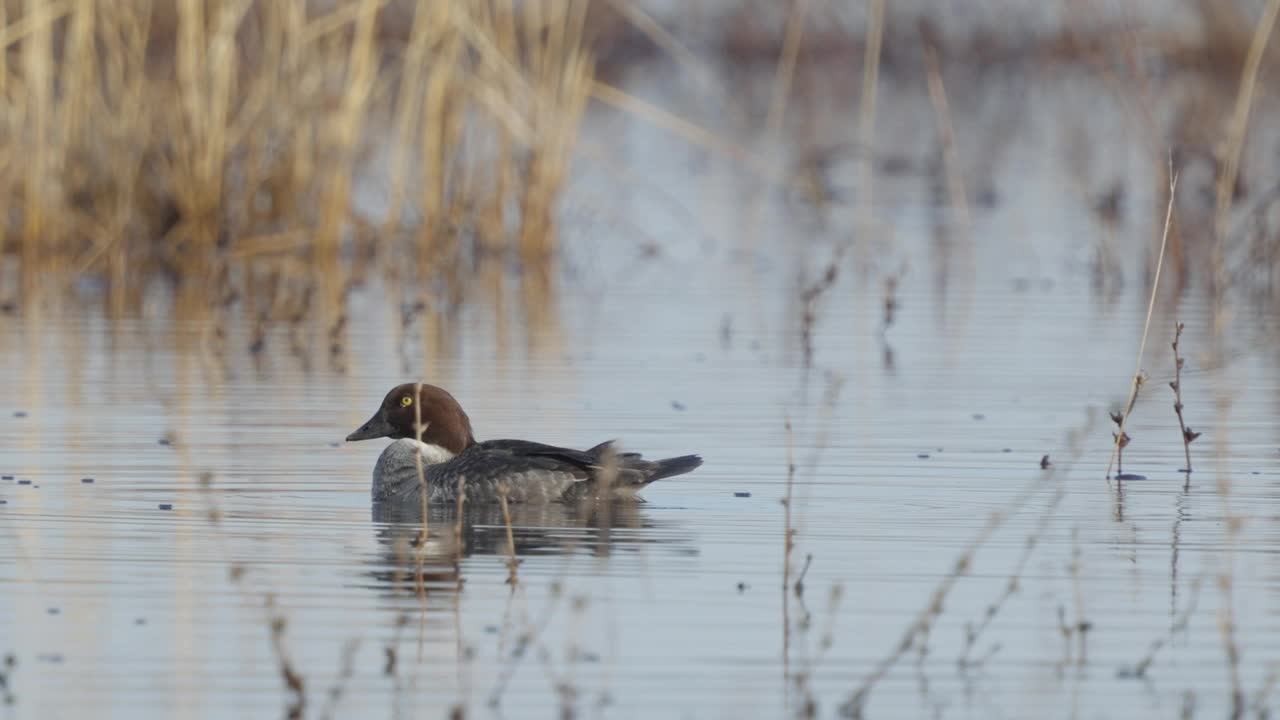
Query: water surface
x,y
676,324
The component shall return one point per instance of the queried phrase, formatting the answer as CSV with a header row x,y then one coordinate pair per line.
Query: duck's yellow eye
x,y
406,401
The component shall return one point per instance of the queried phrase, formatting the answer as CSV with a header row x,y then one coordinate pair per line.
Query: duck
x,y
434,449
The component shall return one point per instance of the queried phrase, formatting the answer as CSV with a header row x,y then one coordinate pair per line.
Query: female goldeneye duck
x,y
447,458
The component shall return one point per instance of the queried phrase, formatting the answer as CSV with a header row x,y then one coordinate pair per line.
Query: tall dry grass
x,y
230,145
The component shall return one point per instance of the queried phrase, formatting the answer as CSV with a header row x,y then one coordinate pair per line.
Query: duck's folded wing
x,y
521,473
587,460
622,473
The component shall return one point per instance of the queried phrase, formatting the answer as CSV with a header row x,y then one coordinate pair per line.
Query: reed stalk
x,y
223,143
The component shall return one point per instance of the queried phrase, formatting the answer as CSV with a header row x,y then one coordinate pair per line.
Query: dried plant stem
x,y
1187,434
1139,669
682,128
1226,566
788,542
512,562
786,65
36,57
457,520
867,125
1260,705
853,707
1081,626
346,670
423,491
1234,148
426,17
920,626
973,632
277,106
664,39
942,112
1146,326
297,686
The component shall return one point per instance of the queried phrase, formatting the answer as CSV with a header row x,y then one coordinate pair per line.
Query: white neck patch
x,y
432,454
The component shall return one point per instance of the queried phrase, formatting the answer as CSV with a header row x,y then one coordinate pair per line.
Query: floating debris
x,y
979,416
24,482
6,477
742,494
19,413
86,481
923,456
166,506
677,405
742,587
54,611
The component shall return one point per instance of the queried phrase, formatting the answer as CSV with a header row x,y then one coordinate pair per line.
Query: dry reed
x,y
867,125
1180,624
1188,435
788,545
946,132
924,621
227,142
1120,437
1234,147
513,562
973,631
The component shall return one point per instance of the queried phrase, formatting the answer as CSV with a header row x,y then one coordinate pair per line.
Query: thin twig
x,y
1139,669
788,540
867,123
418,429
297,686
942,113
346,670
1237,133
512,562
853,707
974,632
786,67
1187,434
1082,626
1146,326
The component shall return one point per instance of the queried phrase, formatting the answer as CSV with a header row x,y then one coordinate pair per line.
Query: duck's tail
x,y
673,466
636,472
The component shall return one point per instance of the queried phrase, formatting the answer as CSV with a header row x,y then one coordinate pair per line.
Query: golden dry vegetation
x,y
219,143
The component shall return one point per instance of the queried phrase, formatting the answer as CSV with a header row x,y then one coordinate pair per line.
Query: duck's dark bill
x,y
376,427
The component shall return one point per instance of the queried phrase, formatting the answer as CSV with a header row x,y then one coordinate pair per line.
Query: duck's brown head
x,y
418,405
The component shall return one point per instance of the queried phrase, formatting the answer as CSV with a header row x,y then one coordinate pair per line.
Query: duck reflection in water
x,y
409,565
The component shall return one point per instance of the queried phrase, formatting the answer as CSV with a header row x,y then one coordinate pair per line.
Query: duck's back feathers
x,y
522,470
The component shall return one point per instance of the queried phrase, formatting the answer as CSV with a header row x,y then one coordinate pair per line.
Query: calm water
x,y
674,326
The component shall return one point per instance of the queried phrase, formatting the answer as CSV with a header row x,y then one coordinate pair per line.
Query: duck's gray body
x,y
523,471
